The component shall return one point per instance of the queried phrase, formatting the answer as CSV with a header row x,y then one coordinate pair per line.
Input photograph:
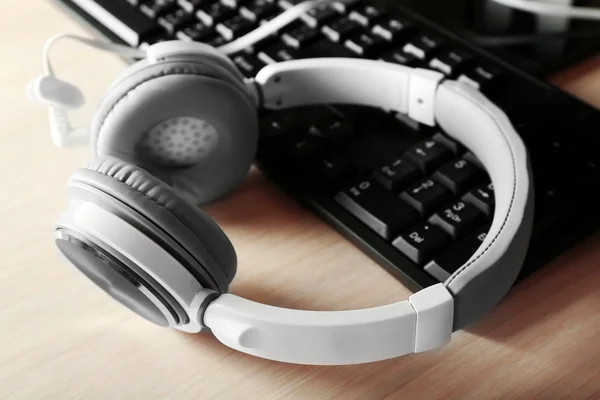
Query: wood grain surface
x,y
61,338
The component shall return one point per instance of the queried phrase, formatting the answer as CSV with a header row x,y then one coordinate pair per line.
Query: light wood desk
x,y
61,338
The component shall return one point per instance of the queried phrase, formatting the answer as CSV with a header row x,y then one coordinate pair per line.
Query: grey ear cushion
x,y
153,93
156,201
208,55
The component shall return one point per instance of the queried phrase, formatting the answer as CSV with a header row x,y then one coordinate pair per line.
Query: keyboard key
x,y
328,168
301,149
367,15
426,196
249,65
451,259
215,13
421,243
480,77
197,32
277,126
345,6
482,197
340,29
396,175
299,36
257,10
192,5
458,175
450,62
156,8
392,29
175,19
217,41
122,19
319,15
332,127
324,48
377,208
454,146
235,27
365,44
161,36
428,155
277,53
458,218
285,4
233,3
402,58
423,47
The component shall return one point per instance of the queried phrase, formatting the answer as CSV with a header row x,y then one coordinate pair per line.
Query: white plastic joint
x,y
434,307
422,88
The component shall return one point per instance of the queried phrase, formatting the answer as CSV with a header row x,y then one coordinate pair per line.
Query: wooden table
x,y
61,338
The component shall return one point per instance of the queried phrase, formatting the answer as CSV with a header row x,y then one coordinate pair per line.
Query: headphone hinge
x,y
422,88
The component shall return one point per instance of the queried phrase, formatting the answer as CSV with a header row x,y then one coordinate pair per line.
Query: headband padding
x,y
465,114
181,88
156,201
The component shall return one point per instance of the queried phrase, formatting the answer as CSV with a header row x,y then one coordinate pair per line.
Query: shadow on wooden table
x,y
551,298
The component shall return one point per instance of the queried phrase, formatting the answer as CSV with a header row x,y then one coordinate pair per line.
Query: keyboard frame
x,y
544,248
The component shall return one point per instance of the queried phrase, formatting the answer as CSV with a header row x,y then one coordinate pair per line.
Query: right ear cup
x,y
188,120
153,207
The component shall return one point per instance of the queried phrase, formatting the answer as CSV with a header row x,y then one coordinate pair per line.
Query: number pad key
x,y
482,197
426,196
395,175
377,208
458,175
421,243
458,218
450,260
429,154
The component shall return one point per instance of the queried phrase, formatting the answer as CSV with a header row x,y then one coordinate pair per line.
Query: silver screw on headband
x,y
180,142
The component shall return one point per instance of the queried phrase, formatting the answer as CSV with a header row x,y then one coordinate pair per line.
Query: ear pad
x,y
190,123
176,218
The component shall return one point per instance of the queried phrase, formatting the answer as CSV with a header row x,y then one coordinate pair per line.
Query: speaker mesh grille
x,y
179,142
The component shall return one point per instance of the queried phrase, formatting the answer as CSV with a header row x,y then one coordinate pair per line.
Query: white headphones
x,y
180,128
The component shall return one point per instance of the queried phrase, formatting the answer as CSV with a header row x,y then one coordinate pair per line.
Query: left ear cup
x,y
171,217
191,123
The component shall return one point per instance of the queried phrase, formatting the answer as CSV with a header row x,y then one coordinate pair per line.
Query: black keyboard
x,y
413,199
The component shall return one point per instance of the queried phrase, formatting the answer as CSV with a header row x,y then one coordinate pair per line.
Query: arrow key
x,y
482,197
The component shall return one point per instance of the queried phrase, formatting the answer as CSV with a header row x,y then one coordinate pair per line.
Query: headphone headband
x,y
350,81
